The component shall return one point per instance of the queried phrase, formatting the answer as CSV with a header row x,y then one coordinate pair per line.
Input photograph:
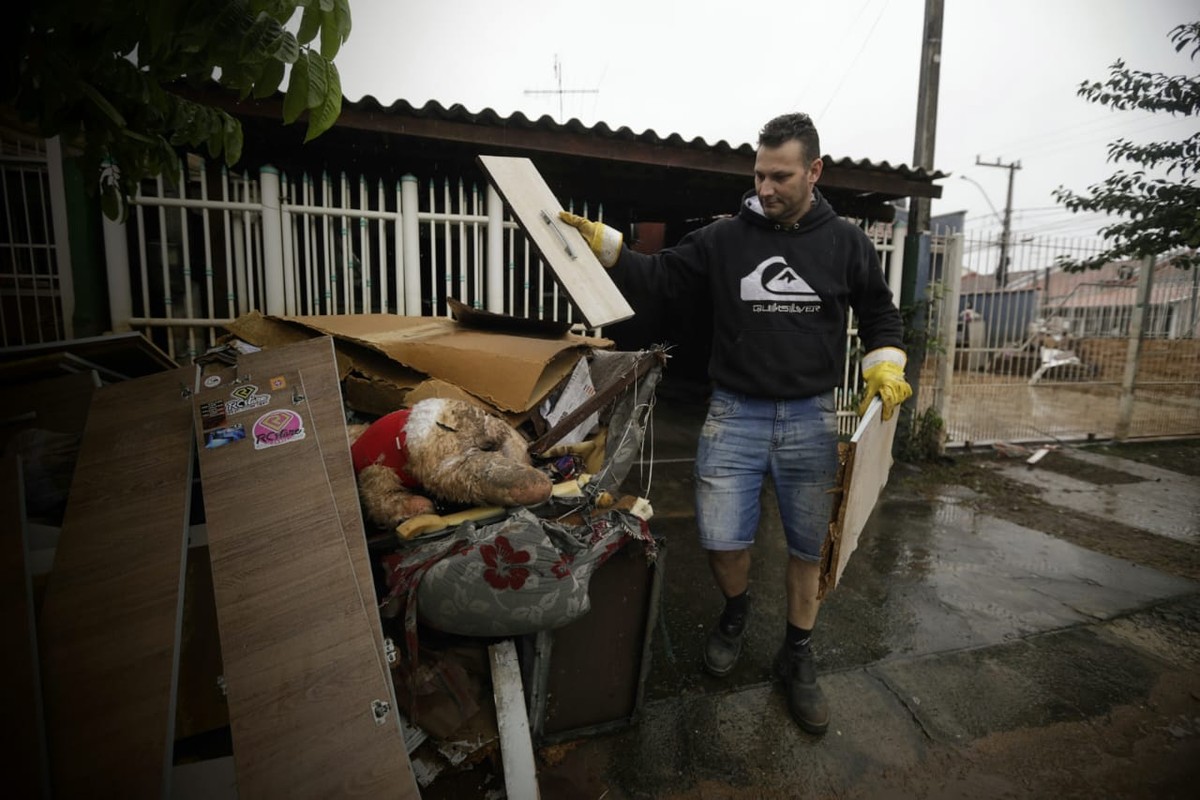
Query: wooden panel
x,y
562,247
580,693
110,623
23,755
868,462
305,667
42,421
53,404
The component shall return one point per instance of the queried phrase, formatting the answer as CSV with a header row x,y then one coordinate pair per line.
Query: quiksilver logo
x,y
774,280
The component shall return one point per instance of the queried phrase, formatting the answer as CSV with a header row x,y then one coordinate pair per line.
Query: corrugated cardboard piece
x,y
510,371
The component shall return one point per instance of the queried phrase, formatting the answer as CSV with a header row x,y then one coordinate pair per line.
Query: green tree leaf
x,y
310,25
318,79
269,80
326,113
1154,216
296,99
103,76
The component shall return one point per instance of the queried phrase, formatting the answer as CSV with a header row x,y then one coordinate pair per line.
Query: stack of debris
x,y
236,613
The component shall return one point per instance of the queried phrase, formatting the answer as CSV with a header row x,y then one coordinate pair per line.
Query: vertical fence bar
x,y
410,201
364,247
14,261
311,266
62,236
1136,333
331,267
165,265
287,256
434,287
234,294
117,271
398,239
381,241
274,281
447,241
952,277
206,226
186,253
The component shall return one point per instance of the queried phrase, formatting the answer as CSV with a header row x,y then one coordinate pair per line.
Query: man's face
x,y
783,180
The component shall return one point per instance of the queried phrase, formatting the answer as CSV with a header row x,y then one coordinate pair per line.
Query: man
x,y
781,276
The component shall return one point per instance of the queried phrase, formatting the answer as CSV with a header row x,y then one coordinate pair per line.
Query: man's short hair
x,y
796,126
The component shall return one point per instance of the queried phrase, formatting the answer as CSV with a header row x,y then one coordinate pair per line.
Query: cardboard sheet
x,y
511,372
867,463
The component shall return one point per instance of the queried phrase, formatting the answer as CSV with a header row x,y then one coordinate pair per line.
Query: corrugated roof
x,y
433,110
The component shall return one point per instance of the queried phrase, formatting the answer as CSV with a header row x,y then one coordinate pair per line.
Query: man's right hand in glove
x,y
604,241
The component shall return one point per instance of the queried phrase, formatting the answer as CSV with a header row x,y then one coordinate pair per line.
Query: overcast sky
x,y
718,70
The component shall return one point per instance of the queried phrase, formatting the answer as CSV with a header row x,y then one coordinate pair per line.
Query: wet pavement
x,y
962,655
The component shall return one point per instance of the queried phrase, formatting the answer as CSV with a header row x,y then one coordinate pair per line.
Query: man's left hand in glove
x,y
883,371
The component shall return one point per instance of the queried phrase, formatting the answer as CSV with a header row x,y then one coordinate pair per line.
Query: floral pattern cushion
x,y
517,576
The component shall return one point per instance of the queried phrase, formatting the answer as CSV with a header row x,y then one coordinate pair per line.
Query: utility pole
x,y
1006,231
927,101
560,91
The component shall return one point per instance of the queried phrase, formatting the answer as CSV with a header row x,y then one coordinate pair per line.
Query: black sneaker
x,y
724,645
805,699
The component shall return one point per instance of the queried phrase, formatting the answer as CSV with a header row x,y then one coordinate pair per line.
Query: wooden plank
x,y
562,247
868,463
23,756
42,420
305,669
516,746
110,621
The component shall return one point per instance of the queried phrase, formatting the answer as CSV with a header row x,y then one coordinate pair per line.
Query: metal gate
x,y
1044,355
36,301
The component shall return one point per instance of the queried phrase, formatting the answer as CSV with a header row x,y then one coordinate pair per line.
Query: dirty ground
x,y
1004,630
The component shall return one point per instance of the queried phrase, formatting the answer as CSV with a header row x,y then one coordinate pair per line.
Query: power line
x,y
842,41
854,60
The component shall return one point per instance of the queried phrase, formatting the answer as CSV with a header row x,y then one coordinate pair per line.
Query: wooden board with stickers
x,y
311,705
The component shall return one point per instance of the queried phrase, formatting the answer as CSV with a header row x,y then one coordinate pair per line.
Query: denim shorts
x,y
746,438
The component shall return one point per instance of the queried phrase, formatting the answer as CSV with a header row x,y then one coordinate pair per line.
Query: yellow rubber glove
x,y
883,370
604,241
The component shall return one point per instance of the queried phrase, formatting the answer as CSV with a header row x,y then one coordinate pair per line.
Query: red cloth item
x,y
385,442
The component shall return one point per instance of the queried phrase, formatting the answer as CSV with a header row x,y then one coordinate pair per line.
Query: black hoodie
x,y
779,295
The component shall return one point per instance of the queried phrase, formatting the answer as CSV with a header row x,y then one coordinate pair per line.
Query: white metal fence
x,y
212,245
1040,354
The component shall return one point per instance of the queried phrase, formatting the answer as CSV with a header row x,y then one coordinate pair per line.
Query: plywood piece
x,y
561,246
305,666
865,473
110,622
23,756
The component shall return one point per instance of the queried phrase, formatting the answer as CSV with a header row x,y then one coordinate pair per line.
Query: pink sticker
x,y
276,428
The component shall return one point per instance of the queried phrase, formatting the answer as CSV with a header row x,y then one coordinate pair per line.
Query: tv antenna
x,y
560,91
